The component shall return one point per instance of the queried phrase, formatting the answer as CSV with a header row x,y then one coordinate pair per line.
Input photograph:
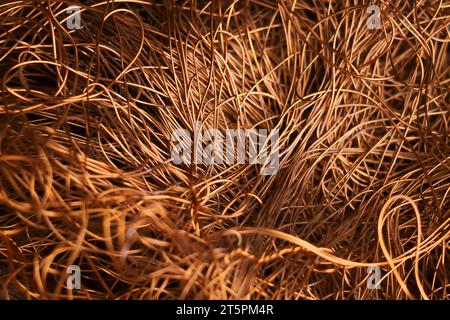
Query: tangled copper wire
x,y
86,177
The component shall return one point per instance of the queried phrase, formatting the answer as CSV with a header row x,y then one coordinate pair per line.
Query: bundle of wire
x,y
87,176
